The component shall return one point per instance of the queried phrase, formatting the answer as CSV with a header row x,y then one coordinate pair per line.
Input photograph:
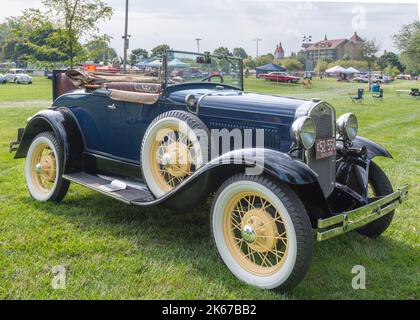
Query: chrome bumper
x,y
347,221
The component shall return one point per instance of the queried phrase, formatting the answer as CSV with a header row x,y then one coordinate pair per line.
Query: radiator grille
x,y
324,117
271,135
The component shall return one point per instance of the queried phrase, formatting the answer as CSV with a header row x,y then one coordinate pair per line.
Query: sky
x,y
235,23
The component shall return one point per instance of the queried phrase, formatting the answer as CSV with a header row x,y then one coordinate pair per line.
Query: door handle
x,y
112,106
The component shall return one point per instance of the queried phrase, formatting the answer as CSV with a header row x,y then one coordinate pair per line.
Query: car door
x,y
127,123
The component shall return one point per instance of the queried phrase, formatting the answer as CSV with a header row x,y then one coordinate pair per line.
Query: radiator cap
x,y
316,100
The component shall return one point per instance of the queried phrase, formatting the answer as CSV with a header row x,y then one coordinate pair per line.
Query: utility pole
x,y
257,40
126,38
198,44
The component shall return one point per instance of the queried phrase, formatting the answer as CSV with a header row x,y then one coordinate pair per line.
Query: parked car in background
x,y
373,79
361,79
280,77
2,79
404,77
18,76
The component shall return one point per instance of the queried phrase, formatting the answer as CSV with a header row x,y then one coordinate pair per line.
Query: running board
x,y
138,193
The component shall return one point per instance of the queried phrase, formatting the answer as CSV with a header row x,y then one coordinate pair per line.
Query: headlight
x,y
303,132
190,100
347,126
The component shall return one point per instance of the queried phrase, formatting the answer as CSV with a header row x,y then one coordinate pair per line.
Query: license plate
x,y
325,148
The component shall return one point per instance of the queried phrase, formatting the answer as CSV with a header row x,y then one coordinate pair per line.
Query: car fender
x,y
279,166
65,127
373,149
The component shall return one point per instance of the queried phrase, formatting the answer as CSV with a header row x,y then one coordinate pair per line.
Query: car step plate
x,y
127,195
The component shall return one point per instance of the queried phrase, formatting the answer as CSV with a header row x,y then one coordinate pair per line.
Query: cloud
x,y
235,23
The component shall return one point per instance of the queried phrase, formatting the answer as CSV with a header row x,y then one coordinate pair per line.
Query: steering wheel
x,y
208,78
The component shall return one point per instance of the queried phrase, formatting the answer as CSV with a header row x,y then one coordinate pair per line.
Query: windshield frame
x,y
205,54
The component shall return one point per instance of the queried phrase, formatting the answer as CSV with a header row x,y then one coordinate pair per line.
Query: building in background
x,y
335,49
279,52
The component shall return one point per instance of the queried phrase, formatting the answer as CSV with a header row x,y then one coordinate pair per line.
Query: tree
x,y
223,51
98,49
361,65
407,40
403,37
250,63
240,52
322,65
392,71
389,59
264,59
160,50
137,54
291,64
369,50
76,18
12,39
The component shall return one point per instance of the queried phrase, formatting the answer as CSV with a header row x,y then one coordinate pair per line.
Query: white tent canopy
x,y
336,69
155,63
178,64
352,70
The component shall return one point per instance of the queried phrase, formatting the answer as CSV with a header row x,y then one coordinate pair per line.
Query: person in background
x,y
375,87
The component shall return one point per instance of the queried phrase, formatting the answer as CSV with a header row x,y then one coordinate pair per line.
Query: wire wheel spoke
x,y
258,232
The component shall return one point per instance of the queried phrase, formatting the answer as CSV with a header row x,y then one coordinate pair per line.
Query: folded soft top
x,y
81,78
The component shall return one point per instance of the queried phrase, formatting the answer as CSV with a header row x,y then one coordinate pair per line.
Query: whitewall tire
x,y
174,146
44,168
262,232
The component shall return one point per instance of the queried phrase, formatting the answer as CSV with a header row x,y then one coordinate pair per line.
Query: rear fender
x,y
66,130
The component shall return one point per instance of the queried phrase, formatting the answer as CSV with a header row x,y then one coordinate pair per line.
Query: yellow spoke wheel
x,y
262,231
43,169
174,146
174,160
255,233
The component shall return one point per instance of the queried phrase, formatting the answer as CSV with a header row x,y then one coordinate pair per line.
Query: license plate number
x,y
325,148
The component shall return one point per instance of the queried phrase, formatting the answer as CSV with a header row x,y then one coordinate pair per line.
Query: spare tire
x,y
174,146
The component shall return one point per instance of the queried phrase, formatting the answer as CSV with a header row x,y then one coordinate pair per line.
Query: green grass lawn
x,y
114,251
39,90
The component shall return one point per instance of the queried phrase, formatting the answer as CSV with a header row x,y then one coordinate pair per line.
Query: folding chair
x,y
378,96
359,98
415,93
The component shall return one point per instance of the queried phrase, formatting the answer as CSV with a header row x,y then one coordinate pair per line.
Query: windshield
x,y
184,67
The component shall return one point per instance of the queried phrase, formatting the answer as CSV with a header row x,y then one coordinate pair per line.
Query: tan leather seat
x,y
134,87
135,97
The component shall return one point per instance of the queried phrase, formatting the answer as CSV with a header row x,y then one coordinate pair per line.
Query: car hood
x,y
235,100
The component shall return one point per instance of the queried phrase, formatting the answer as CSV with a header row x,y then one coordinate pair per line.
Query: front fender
x,y
279,166
65,129
373,149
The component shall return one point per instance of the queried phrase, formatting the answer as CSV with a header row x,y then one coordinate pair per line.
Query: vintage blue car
x,y
276,167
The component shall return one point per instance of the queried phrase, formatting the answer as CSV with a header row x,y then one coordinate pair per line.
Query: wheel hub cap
x,y
176,159
38,168
260,230
248,234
